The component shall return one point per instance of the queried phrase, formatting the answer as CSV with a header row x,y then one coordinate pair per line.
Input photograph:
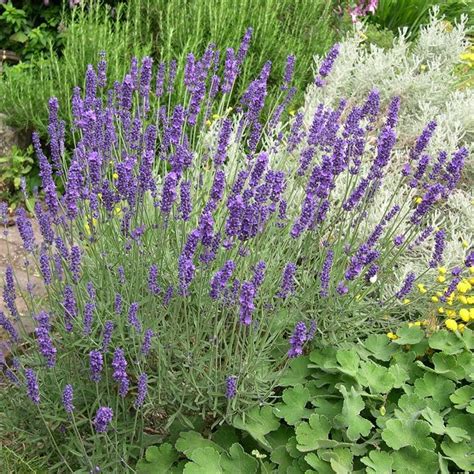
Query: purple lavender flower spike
x,y
70,307
146,346
153,285
247,307
221,278
133,318
287,283
392,114
160,79
244,46
142,387
25,229
46,347
230,71
297,340
185,205
312,330
68,397
169,192
96,364
9,292
118,303
119,374
325,274
327,65
75,263
341,288
398,240
259,274
432,195
455,167
469,262
32,386
88,317
231,387
6,324
289,69
168,295
103,419
223,142
440,243
406,286
423,140
107,336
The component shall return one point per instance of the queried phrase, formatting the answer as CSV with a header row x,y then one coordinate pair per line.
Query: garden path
x,y
11,250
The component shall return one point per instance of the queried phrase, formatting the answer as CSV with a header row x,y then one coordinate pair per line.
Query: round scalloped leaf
x,y
190,441
296,372
398,434
204,461
378,462
257,422
157,459
380,347
410,460
238,461
435,386
446,341
462,454
293,408
463,396
313,434
407,335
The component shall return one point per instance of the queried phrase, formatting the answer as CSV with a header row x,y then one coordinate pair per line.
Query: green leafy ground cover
x,y
379,406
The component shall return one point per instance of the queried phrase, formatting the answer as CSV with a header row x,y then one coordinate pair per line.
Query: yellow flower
x,y
471,280
451,324
417,323
392,336
470,300
461,327
441,279
439,293
442,270
440,310
450,313
208,123
462,299
406,301
471,269
465,244
463,286
465,314
215,116
421,288
292,113
471,313
115,176
418,199
434,299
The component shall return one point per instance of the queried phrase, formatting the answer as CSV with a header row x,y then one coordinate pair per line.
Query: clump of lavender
x,y
103,419
231,387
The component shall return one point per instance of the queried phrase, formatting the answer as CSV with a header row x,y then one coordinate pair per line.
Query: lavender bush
x,y
196,249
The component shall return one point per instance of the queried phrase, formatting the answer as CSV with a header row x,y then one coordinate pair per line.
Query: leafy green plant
x,y
379,406
16,170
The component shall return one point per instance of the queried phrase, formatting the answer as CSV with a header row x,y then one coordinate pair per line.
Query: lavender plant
x,y
196,249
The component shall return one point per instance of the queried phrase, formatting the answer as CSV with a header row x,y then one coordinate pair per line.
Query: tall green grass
x,y
167,30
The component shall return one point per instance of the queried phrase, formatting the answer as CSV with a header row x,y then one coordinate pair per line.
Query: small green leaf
x,y
189,441
324,359
314,434
410,460
437,426
376,377
157,459
407,335
348,362
357,426
460,453
399,374
294,403
398,434
296,372
461,420
449,365
380,347
435,386
340,460
238,461
462,396
322,467
329,408
378,462
281,457
446,341
225,436
204,461
19,37
257,422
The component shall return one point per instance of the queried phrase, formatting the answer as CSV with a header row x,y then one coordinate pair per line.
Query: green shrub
x,y
376,407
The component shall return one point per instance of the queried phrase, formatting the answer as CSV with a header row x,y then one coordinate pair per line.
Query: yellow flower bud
x,y
392,336
461,327
465,315
442,270
451,324
441,279
462,299
418,199
115,176
434,299
463,286
421,288
440,310
406,301
450,313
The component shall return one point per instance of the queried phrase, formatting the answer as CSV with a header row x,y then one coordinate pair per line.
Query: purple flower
x,y
186,270
296,132
406,286
312,330
102,419
432,195
146,346
259,274
247,307
145,76
88,317
325,274
469,262
298,339
168,295
244,46
455,167
118,303
46,347
220,279
75,263
152,280
171,75
185,205
160,79
327,64
223,142
230,71
341,288
169,192
96,364
6,324
398,240
423,140
106,338
132,317
119,374
440,243
74,187
121,275
9,293
231,387
70,307
32,386
287,281
142,390
68,396
25,229
289,69
44,223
